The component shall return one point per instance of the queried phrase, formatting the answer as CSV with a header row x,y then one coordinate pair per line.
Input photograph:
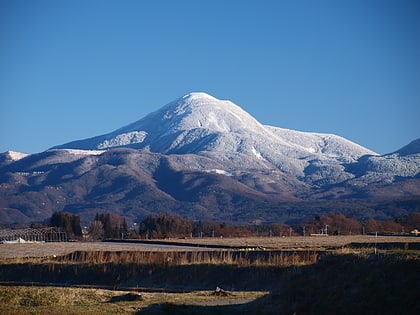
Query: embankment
x,y
203,270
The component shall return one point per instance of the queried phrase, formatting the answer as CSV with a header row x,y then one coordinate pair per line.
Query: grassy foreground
x,y
386,283
355,279
61,300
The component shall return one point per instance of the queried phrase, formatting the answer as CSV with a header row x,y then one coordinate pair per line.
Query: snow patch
x,y
127,138
257,154
84,152
16,156
218,171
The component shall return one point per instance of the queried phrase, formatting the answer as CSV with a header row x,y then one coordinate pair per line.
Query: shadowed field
x,y
296,275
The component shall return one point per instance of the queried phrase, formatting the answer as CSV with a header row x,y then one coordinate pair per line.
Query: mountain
x,y
205,158
410,149
201,124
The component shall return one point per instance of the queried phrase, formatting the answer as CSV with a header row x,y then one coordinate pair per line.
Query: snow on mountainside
x,y
15,156
213,160
201,124
10,157
402,163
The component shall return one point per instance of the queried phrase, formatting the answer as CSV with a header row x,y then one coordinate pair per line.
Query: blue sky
x,y
75,69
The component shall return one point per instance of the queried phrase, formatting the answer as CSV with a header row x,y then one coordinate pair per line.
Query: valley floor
x,y
293,242
313,275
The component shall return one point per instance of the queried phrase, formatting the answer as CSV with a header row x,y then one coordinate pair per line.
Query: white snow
x,y
217,171
201,124
123,139
84,152
257,154
15,156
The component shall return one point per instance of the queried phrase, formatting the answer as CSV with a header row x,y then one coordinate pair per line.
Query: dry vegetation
x,y
347,280
58,249
61,300
297,242
293,242
337,284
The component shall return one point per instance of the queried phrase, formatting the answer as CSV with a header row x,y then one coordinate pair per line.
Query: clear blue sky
x,y
75,69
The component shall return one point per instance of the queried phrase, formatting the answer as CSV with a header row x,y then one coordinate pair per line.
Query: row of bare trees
x,y
339,224
111,226
165,225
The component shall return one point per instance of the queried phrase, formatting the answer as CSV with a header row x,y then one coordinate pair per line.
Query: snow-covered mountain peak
x,y
198,96
201,110
198,123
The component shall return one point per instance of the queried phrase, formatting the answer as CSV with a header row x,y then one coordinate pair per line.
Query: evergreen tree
x,y
68,223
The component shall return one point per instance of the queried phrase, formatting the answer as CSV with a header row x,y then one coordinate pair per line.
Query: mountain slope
x,y
412,148
136,183
133,183
404,163
201,124
203,158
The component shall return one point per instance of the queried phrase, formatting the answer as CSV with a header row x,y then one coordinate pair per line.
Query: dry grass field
x,y
297,242
63,300
263,275
63,248
272,243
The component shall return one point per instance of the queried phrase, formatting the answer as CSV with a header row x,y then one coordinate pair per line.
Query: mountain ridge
x,y
204,158
198,123
193,111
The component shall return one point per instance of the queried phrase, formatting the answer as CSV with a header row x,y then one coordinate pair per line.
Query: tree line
x,y
164,225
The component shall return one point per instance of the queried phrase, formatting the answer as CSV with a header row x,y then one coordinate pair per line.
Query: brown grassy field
x,y
277,274
297,242
293,242
58,249
338,284
62,300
